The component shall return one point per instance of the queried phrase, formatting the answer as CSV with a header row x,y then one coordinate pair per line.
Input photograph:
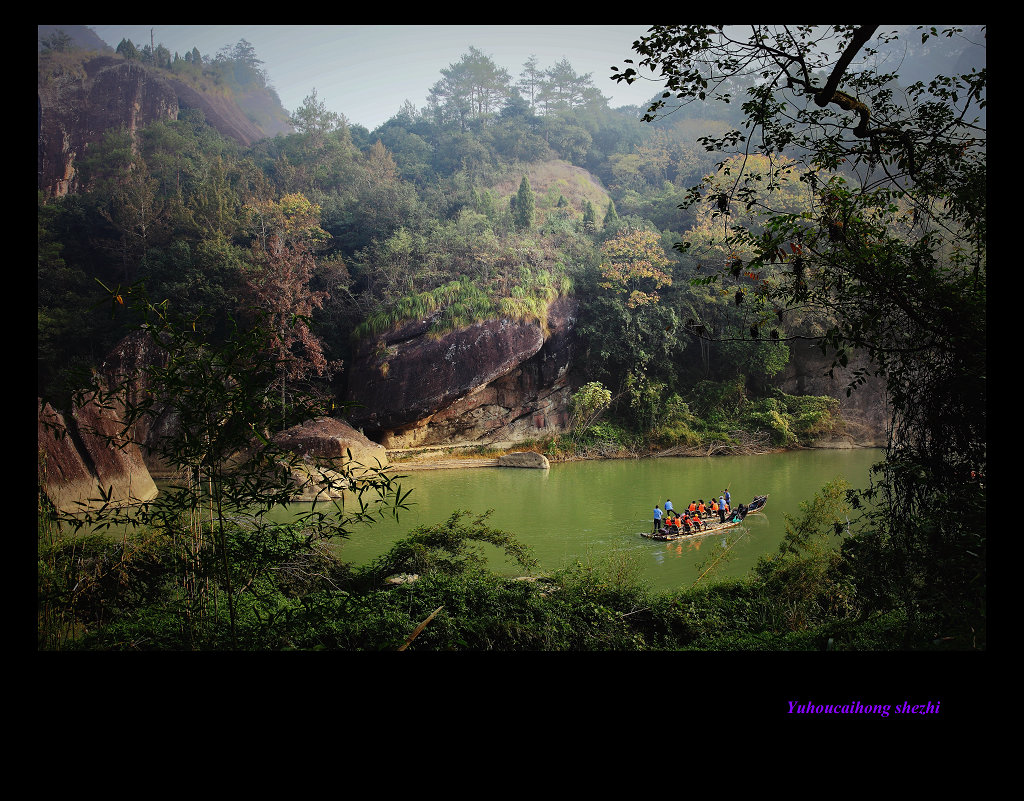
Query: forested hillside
x,y
515,189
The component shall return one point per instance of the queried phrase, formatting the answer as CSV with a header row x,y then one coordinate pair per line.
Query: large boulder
x,y
333,442
497,381
333,457
83,459
407,375
528,459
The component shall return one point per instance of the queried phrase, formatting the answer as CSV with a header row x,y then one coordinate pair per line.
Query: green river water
x,y
583,511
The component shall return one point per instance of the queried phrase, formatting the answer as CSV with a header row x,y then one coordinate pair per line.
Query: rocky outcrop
x,y
529,459
76,109
88,458
865,411
125,368
333,458
76,106
221,112
497,381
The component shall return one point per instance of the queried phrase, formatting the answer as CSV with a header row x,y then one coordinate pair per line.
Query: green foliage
x,y
524,295
447,548
807,581
523,208
883,252
889,254
588,402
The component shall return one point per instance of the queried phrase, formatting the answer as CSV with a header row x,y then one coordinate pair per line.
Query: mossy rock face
x,y
432,378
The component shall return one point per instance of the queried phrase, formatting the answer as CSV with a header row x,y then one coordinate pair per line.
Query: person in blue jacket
x,y
668,507
721,508
657,519
728,498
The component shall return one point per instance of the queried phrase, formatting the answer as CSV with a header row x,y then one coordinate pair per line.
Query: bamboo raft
x,y
664,534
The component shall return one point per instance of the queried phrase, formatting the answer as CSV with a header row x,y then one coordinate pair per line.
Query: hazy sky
x,y
367,72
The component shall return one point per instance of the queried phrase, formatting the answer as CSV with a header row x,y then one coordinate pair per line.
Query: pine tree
x,y
524,206
589,218
611,218
128,50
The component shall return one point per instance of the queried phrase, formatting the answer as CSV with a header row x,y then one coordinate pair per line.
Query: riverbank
x,y
441,457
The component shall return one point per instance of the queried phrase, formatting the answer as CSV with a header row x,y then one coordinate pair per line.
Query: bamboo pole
x,y
419,629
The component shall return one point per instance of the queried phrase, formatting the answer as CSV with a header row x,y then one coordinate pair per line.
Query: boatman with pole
x,y
657,519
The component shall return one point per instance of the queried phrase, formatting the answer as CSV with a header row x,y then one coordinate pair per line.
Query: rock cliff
x,y
497,381
865,411
75,106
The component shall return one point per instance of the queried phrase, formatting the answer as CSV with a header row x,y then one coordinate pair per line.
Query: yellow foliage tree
x,y
633,264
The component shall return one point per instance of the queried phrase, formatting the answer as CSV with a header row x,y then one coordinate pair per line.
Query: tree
x,y
611,218
633,264
128,50
242,64
894,250
278,283
314,120
524,206
57,42
472,88
564,90
530,81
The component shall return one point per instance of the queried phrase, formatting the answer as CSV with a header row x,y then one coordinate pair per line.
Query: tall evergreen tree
x,y
524,206
128,50
530,81
611,218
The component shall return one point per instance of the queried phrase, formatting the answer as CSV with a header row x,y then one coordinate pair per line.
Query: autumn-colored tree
x,y
633,264
278,285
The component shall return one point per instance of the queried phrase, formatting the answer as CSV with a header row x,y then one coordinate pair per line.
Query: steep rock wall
x,y
495,381
865,411
75,108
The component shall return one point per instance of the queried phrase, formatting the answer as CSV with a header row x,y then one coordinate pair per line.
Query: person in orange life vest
x,y
701,509
697,524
